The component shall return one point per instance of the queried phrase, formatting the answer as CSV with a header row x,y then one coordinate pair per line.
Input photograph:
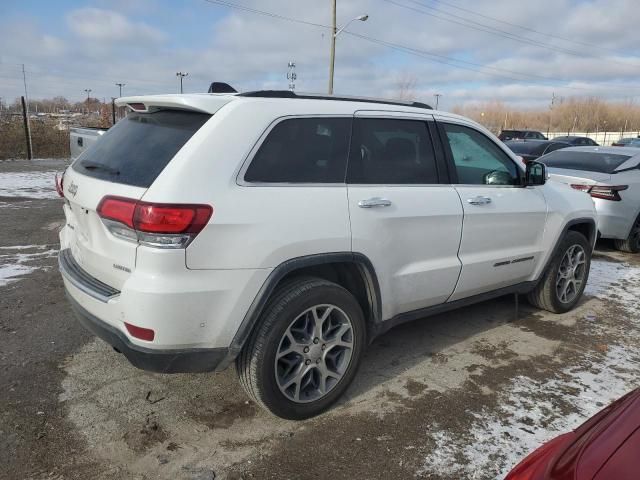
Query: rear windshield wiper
x,y
89,165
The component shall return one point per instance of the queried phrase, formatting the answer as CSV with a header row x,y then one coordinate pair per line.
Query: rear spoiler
x,y
204,103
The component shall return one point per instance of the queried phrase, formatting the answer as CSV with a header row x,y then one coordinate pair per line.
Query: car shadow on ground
x,y
410,358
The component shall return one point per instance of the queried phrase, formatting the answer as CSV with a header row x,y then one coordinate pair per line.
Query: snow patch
x,y
16,265
530,412
40,185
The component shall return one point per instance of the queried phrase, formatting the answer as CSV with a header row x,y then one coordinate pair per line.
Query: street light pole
x,y
332,58
334,34
120,85
181,75
88,91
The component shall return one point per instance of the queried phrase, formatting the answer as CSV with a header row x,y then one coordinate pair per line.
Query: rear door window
x,y
137,148
391,151
303,150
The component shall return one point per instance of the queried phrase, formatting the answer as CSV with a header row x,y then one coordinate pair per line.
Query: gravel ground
x,y
456,396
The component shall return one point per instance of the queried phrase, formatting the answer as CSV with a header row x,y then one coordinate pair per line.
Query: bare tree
x,y
406,86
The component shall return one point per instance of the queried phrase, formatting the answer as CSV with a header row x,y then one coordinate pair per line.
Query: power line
x,y
528,29
442,59
465,22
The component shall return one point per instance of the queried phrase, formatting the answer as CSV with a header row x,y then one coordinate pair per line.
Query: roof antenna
x,y
221,87
291,76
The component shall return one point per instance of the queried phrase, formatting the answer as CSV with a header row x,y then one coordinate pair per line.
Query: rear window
x,y
303,150
137,148
585,161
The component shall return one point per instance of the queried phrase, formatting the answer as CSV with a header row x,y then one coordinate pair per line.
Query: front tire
x,y
306,349
561,286
632,243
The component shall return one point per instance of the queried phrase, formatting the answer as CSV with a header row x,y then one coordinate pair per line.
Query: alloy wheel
x,y
571,274
314,353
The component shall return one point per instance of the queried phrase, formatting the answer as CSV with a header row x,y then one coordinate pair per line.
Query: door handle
x,y
374,202
479,200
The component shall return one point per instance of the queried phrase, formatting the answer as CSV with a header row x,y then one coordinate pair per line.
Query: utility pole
x,y
335,31
87,91
332,58
553,101
120,85
25,111
27,129
437,96
181,75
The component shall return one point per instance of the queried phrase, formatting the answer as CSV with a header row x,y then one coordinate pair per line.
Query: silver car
x,y
611,175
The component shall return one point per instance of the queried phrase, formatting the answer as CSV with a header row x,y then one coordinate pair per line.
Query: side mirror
x,y
536,173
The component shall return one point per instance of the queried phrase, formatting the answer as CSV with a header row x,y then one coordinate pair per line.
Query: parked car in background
x,y
611,175
605,447
635,143
576,141
285,232
623,142
520,135
530,150
81,138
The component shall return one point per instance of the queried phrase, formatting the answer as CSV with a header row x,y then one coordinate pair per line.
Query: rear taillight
x,y
533,466
60,184
605,192
154,224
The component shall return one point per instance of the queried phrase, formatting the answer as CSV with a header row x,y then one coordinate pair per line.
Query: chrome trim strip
x,y
74,274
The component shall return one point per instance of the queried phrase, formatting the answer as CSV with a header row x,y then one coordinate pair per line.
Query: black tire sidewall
x,y
277,318
572,238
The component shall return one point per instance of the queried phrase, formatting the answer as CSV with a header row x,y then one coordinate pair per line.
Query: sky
x,y
469,51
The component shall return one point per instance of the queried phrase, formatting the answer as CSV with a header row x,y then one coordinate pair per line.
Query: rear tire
x,y
306,349
561,286
632,243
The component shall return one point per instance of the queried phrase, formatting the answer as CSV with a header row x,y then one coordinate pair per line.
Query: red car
x,y
605,447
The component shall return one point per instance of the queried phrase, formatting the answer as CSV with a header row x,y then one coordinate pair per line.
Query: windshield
x,y
586,161
137,148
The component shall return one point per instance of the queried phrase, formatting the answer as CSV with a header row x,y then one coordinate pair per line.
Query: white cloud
x,y
99,46
107,26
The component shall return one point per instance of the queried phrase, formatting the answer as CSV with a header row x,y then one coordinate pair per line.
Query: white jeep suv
x,y
284,232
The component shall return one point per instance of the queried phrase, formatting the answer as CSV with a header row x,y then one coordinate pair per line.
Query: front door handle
x,y
374,202
479,200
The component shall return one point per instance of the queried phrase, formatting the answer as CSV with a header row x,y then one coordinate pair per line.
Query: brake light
x,y
60,184
154,224
153,218
605,192
532,467
140,332
117,209
138,107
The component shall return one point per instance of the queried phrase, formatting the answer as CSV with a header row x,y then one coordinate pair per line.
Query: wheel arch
x,y
584,225
353,271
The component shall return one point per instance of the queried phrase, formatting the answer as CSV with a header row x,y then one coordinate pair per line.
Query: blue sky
x,y
470,51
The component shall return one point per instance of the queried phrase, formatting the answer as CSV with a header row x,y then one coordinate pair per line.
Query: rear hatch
x,y
123,163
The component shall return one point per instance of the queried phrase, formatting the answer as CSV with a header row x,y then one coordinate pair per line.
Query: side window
x,y
303,150
478,160
390,151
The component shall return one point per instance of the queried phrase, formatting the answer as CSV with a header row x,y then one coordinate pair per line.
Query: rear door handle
x,y
374,202
479,200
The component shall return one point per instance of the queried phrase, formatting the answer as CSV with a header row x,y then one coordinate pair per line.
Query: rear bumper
x,y
614,219
153,360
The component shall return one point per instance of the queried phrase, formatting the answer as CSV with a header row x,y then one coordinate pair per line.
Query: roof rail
x,y
290,94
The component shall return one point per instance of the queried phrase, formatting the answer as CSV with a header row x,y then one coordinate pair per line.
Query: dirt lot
x,y
461,395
